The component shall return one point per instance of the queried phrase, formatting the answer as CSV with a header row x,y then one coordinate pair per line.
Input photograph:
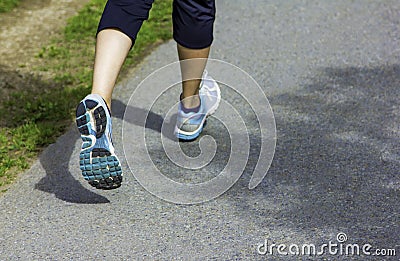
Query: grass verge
x,y
33,117
8,5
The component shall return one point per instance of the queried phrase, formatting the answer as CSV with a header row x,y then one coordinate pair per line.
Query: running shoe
x,y
98,162
189,125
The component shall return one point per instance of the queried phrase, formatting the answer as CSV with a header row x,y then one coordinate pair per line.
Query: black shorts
x,y
193,20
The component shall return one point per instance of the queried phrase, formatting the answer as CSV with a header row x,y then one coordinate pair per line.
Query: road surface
x,y
331,72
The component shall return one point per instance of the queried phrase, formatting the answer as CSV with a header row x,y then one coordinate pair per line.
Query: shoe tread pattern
x,y
99,167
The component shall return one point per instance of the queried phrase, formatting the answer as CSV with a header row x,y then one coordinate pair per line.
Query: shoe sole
x,y
190,136
99,166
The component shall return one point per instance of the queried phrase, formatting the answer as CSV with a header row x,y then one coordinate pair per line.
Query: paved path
x,y
331,72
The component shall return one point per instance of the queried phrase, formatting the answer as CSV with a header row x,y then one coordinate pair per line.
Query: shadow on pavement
x,y
138,116
59,180
55,159
337,159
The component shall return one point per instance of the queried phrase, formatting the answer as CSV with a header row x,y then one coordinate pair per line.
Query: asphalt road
x,y
331,72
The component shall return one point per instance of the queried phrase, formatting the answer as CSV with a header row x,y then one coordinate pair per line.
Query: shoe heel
x,y
82,119
84,112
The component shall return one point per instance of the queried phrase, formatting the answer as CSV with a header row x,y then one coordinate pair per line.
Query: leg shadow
x,y
144,118
59,180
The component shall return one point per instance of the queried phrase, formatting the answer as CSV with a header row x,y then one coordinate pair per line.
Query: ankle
x,y
190,102
106,99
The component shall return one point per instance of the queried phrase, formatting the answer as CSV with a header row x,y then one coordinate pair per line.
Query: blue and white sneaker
x,y
98,162
190,125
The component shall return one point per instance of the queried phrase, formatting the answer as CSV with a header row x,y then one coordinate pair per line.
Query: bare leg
x,y
112,47
192,69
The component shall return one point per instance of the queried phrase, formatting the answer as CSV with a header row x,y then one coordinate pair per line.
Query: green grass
x,y
35,117
8,5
